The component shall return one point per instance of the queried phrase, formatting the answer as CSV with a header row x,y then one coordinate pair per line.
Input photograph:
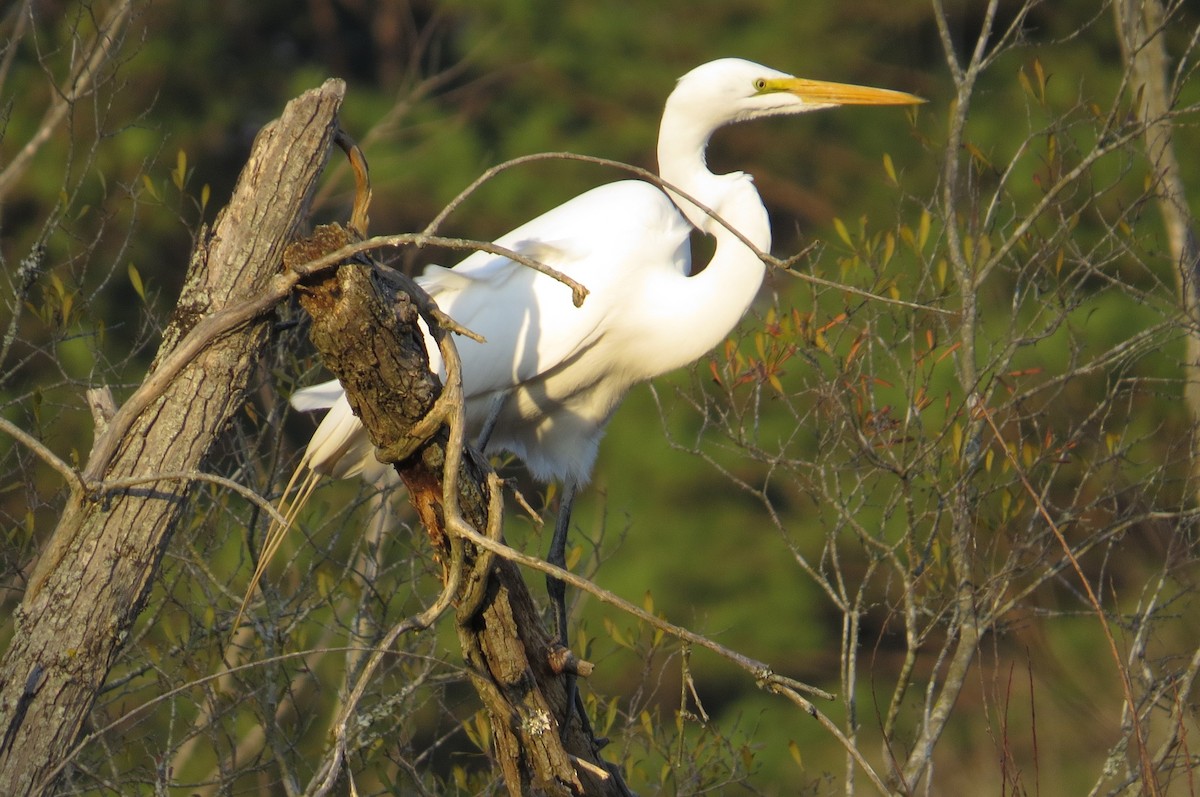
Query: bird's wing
x,y
604,239
339,447
317,397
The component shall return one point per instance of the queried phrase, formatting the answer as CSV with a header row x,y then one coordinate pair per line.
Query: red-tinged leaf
x,y
949,351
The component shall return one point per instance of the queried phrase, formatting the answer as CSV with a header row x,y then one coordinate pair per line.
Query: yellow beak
x,y
820,91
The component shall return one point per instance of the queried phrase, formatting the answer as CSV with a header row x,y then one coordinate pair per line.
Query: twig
x,y
77,482
204,333
782,264
250,495
762,672
832,727
1148,776
79,84
85,741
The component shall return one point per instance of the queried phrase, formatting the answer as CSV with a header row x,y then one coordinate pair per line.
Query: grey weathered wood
x,y
96,571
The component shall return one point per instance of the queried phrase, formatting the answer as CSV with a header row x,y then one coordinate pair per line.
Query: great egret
x,y
550,374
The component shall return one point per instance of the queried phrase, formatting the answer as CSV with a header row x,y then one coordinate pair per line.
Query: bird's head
x,y
735,90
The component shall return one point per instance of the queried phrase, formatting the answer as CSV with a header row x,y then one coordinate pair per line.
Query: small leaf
x,y
840,228
923,232
135,279
890,169
149,186
794,749
712,366
977,155
615,634
610,715
1025,84
179,173
1041,78
205,193
984,248
325,584
647,723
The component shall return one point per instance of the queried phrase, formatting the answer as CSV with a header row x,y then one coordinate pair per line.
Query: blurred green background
x,y
438,92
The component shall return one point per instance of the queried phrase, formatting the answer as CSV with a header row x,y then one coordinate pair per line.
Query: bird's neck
x,y
681,162
705,307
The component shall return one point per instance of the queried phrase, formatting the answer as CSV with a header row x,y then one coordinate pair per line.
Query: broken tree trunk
x,y
364,326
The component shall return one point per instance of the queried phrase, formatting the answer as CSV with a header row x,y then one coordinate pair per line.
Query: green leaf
x,y
135,279
794,749
615,634
150,189
179,173
923,232
840,228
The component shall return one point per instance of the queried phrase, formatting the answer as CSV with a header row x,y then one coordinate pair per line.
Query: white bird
x,y
550,374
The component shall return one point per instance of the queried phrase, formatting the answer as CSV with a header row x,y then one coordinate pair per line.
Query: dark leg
x,y
558,556
489,423
558,601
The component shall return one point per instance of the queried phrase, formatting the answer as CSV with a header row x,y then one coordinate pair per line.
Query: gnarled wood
x,y
365,331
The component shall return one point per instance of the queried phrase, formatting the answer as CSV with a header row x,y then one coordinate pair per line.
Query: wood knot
x,y
563,661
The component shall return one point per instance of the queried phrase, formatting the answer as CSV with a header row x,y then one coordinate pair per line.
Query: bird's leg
x,y
489,423
558,600
558,556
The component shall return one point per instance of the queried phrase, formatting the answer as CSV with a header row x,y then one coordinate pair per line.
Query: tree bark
x,y
1141,26
95,573
365,330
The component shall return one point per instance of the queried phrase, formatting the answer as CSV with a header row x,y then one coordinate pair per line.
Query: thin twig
x,y
786,265
1127,687
82,80
250,495
72,477
762,672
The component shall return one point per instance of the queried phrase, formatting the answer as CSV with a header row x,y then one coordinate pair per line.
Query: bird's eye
x,y
760,84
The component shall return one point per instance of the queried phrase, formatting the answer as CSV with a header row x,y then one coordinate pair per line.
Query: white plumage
x,y
553,373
